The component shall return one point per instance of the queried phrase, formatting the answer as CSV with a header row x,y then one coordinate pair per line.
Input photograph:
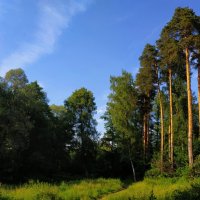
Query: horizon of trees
x,y
152,122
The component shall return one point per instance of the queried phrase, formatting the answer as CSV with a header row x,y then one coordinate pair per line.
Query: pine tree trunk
x,y
161,123
144,134
162,131
147,135
190,123
171,119
199,95
147,125
169,141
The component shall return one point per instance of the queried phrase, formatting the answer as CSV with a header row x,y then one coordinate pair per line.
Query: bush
x,y
183,172
196,167
155,172
189,194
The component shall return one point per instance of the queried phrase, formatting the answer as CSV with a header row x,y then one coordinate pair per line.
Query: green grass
x,y
161,188
106,189
83,190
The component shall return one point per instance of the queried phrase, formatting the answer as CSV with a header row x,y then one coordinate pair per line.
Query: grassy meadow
x,y
105,189
85,190
161,188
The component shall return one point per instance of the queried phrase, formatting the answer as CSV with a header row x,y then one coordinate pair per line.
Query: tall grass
x,y
106,189
162,188
83,190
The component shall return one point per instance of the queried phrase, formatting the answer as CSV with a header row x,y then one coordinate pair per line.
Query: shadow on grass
x,y
191,194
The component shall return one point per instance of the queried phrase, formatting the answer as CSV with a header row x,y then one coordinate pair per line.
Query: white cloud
x,y
54,17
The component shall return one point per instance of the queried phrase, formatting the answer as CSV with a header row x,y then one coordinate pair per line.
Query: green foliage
x,y
16,78
30,140
122,104
183,172
153,173
184,23
81,107
195,171
58,111
123,113
147,76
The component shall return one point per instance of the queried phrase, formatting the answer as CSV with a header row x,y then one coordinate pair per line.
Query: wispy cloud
x,y
123,18
154,33
54,17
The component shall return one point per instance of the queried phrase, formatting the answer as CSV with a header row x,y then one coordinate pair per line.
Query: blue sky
x,y
69,44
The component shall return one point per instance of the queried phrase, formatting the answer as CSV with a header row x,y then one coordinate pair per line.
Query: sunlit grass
x,y
105,189
84,190
162,188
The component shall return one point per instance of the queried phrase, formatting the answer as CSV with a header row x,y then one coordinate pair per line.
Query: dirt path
x,y
102,197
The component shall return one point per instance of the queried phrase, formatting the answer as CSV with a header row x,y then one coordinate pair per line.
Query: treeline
x,y
157,114
151,122
42,142
50,143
